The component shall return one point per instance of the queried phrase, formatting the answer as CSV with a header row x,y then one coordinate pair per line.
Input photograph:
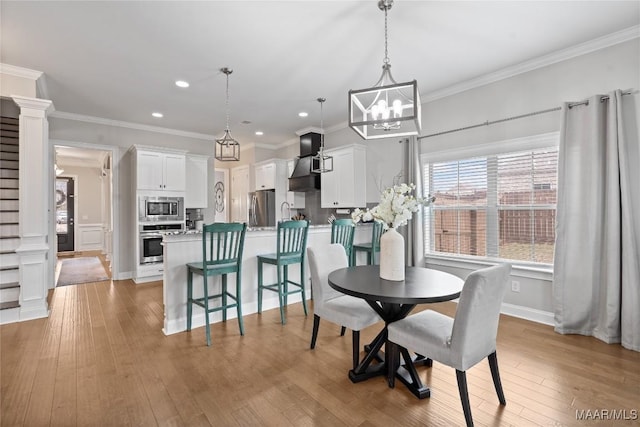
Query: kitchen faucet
x,y
282,217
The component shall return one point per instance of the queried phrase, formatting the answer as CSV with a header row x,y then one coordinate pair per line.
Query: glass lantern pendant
x,y
387,109
227,149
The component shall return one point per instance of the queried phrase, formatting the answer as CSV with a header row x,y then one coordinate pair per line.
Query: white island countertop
x,y
183,247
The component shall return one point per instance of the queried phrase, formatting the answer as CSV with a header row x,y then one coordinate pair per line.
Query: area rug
x,y
81,270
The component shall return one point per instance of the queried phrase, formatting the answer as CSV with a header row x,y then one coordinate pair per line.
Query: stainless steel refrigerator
x,y
262,208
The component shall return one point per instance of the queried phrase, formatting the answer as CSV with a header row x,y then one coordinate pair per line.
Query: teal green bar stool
x,y
291,245
222,246
342,231
371,247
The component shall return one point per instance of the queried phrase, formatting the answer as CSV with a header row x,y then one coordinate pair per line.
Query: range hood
x,y
302,179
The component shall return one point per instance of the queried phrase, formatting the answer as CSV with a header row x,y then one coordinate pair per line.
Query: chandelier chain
x,y
227,101
321,101
386,49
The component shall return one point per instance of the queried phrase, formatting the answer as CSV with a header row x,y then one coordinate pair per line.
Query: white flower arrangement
x,y
396,207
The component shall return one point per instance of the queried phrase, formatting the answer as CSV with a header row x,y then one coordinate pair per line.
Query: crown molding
x,y
288,143
309,129
20,72
129,125
533,64
42,91
44,105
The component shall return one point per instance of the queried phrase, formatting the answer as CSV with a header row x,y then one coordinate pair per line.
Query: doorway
x,y
65,213
83,205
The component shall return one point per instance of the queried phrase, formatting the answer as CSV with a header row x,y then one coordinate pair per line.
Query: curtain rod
x,y
521,116
602,99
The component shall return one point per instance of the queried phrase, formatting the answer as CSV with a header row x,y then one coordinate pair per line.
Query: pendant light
x,y
321,163
227,149
388,109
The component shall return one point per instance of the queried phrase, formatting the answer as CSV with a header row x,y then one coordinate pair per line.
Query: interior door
x,y
65,196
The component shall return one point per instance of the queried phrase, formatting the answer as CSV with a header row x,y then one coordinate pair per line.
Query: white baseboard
x,y
180,325
123,275
10,315
527,313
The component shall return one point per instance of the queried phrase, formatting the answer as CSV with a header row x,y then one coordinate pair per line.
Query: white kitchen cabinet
x,y
160,171
197,178
239,194
294,198
345,186
265,176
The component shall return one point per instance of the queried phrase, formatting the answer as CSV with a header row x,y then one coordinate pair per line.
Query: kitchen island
x,y
184,247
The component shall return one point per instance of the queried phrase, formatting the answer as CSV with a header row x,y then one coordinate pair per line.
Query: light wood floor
x,y
101,359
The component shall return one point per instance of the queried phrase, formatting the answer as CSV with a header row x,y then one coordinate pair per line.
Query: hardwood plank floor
x,y
102,359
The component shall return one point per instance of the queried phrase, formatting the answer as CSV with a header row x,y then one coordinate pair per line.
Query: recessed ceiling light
x,y
157,115
303,114
182,83
259,133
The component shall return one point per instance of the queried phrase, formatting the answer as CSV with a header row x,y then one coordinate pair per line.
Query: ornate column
x,y
35,273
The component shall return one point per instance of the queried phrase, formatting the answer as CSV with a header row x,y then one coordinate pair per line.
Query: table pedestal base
x,y
408,375
404,371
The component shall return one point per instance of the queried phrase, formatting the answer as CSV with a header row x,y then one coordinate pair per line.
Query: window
x,y
500,205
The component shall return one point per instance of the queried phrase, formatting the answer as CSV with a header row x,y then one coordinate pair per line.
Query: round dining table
x,y
394,300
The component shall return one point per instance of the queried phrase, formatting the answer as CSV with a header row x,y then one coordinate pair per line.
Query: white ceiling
x,y
119,60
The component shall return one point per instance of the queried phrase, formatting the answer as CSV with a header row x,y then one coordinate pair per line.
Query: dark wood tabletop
x,y
421,285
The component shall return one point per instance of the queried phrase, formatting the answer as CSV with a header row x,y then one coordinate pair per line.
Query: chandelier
x,y
227,149
321,163
388,109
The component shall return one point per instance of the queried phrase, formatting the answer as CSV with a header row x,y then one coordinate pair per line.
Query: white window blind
x,y
497,206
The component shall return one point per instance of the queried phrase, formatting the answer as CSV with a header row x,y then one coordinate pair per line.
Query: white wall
x,y
599,72
88,193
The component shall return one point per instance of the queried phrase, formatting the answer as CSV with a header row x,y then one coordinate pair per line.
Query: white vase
x,y
392,255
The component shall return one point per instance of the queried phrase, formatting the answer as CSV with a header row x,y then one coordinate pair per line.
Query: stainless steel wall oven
x,y
151,241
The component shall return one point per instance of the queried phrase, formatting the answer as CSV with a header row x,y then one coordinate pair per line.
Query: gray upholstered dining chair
x,y
334,306
464,341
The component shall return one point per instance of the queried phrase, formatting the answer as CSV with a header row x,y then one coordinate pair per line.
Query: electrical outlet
x,y
515,286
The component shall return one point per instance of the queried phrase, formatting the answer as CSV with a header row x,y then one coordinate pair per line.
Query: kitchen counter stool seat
x,y
370,247
291,244
222,246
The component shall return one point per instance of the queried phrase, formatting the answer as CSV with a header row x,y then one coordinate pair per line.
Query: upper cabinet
x,y
265,176
197,178
345,186
160,171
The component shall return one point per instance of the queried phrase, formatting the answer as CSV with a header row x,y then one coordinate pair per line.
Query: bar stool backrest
x,y
222,245
342,231
292,239
378,227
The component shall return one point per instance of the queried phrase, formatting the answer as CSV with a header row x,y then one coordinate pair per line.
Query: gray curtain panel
x,y
596,284
412,173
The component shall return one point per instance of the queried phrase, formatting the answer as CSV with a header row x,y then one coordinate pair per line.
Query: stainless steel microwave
x,y
152,208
